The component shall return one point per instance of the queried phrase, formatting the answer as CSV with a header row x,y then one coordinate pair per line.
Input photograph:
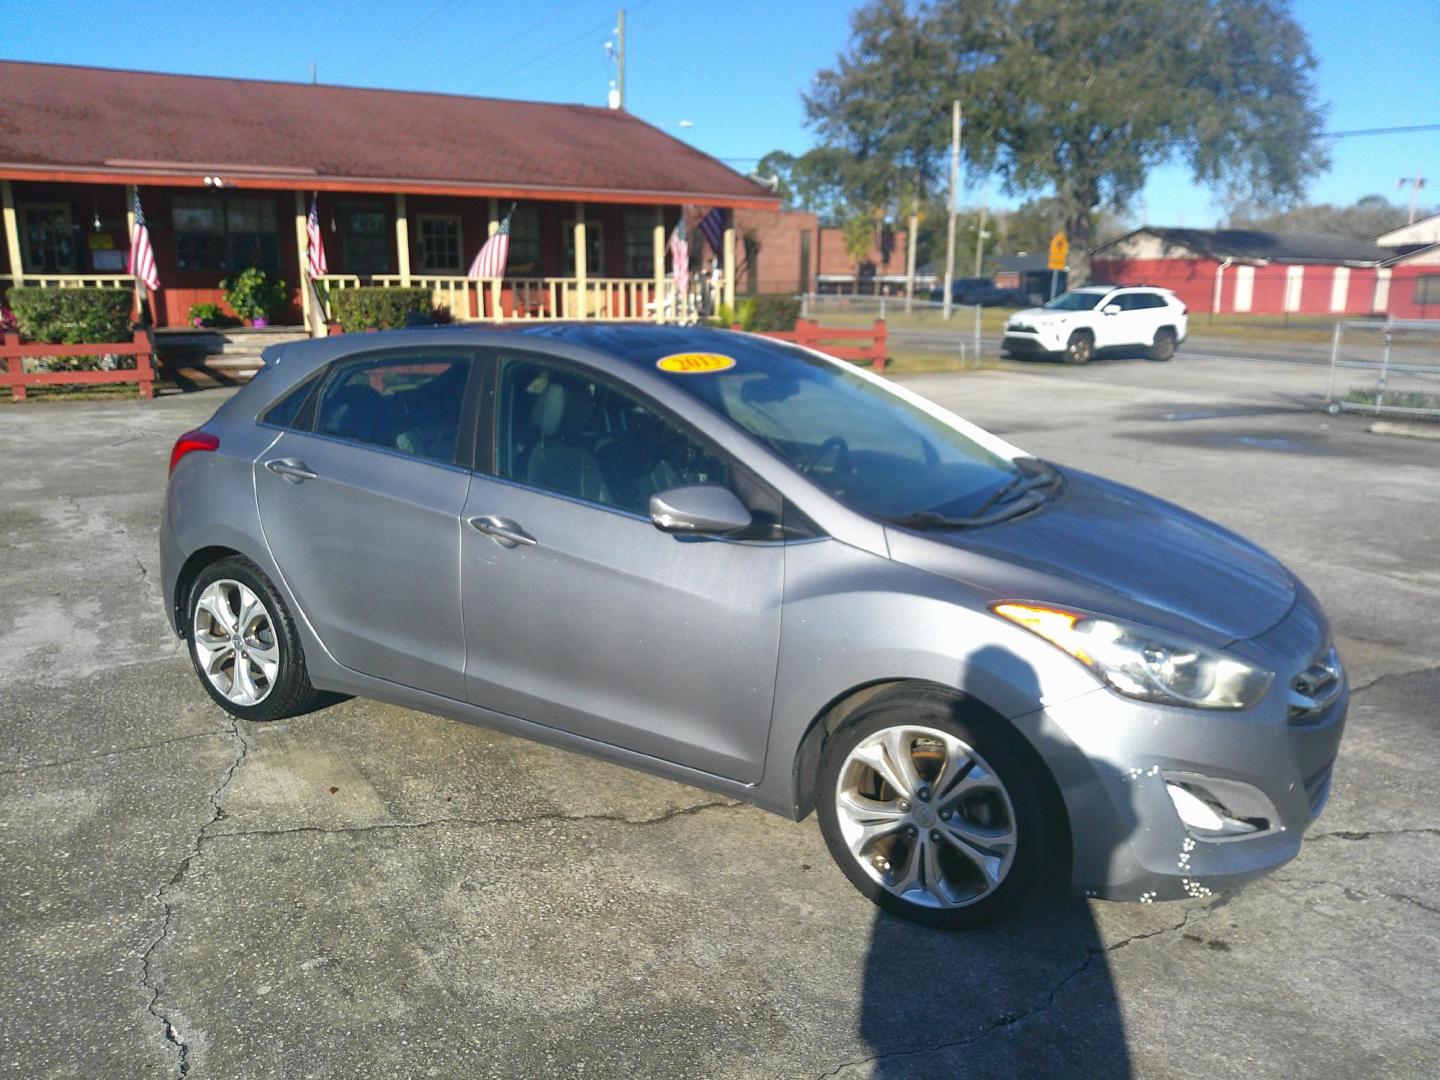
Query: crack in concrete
x,y
1355,893
171,1032
114,753
472,822
1369,834
1005,1020
1434,669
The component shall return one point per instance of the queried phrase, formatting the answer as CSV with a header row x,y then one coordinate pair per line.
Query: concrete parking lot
x,y
370,892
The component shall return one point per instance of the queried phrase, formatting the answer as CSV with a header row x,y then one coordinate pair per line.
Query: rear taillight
x,y
190,442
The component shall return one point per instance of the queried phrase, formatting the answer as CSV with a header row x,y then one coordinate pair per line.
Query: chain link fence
x,y
1385,368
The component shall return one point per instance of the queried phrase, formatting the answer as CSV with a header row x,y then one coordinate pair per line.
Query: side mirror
x,y
1111,309
698,508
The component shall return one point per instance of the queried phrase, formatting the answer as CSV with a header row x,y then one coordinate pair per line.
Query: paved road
x,y
1197,346
371,892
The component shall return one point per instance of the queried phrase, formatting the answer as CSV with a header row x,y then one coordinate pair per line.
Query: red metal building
x,y
1251,271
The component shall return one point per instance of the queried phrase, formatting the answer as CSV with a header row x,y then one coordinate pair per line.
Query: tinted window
x,y
560,430
1144,300
285,411
411,404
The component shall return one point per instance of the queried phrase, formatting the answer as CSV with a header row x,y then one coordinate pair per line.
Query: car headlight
x,y
1143,663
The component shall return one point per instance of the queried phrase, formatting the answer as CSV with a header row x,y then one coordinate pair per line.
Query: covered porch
x,y
568,258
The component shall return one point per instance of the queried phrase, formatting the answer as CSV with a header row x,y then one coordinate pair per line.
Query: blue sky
x,y
735,70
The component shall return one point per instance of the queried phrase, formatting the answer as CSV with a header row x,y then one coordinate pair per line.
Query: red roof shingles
x,y
61,119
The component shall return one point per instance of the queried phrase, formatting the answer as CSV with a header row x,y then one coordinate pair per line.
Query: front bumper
x,y
1032,341
1112,755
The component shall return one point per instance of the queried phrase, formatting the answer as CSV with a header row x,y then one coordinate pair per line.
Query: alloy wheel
x,y
235,642
926,817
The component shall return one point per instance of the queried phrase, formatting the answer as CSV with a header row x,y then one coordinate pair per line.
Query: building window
x,y
225,233
524,241
49,238
639,245
594,249
1427,289
364,241
440,247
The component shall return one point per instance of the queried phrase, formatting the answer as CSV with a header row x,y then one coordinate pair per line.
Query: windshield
x,y
865,445
1076,301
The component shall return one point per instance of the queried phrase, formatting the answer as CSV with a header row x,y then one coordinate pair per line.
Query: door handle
x,y
290,469
502,530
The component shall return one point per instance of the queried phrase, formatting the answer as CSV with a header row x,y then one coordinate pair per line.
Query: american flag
x,y
713,227
142,255
493,257
318,266
680,256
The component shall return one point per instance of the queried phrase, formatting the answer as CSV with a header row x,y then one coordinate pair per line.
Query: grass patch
x,y
62,393
1394,399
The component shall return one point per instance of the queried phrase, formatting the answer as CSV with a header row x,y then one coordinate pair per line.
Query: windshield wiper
x,y
1018,495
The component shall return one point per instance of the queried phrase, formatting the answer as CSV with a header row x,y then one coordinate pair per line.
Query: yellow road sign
x,y
1059,251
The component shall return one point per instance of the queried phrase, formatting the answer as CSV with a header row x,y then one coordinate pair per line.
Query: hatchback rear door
x,y
360,503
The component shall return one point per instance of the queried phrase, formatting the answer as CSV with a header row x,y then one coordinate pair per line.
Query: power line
x,y
562,45
1379,131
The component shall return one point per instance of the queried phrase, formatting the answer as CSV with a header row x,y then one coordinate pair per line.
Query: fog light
x,y
1217,809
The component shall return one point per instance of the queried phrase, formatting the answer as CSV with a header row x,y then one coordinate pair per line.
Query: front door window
x,y
49,238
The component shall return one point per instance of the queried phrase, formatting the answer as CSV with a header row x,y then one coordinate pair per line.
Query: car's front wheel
x,y
931,814
1080,349
244,645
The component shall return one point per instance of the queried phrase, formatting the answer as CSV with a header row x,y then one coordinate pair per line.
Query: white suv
x,y
1078,323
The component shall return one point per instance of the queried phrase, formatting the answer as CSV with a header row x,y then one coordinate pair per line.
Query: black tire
x,y
989,738
290,692
1081,348
1164,346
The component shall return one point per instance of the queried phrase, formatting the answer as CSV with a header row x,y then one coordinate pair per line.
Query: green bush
x,y
775,311
377,307
209,315
72,316
252,295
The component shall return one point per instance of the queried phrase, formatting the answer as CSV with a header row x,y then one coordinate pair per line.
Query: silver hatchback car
x,y
761,571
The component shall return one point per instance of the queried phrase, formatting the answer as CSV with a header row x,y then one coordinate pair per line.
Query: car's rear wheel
x,y
1164,346
931,814
1080,349
244,645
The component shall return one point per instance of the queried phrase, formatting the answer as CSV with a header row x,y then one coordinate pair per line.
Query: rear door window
x,y
412,404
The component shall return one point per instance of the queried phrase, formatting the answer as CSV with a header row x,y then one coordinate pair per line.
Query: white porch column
x,y
729,271
402,238
1294,285
494,225
582,255
659,255
1340,289
302,240
11,227
1381,304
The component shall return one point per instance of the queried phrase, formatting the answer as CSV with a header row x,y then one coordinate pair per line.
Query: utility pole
x,y
955,125
1415,185
980,232
620,56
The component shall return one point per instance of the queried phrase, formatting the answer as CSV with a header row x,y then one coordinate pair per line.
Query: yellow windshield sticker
x,y
695,363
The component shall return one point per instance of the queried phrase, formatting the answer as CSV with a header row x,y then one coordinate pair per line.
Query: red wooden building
x,y
1251,271
409,185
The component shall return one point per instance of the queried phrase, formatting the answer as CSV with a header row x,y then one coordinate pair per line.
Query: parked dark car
x,y
982,291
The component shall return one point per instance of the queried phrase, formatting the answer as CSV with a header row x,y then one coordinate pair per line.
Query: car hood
x,y
1041,315
1107,548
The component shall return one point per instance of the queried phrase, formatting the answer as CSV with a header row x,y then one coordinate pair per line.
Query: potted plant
x,y
252,295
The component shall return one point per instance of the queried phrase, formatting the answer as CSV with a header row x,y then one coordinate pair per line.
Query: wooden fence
x,y
13,356
812,335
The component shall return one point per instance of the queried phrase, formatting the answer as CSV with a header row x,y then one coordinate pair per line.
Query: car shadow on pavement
x,y
1030,993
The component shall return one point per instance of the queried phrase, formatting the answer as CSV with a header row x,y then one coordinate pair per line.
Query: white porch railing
x,y
69,281
542,299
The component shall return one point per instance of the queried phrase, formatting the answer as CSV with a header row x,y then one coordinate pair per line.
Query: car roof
x,y
640,344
